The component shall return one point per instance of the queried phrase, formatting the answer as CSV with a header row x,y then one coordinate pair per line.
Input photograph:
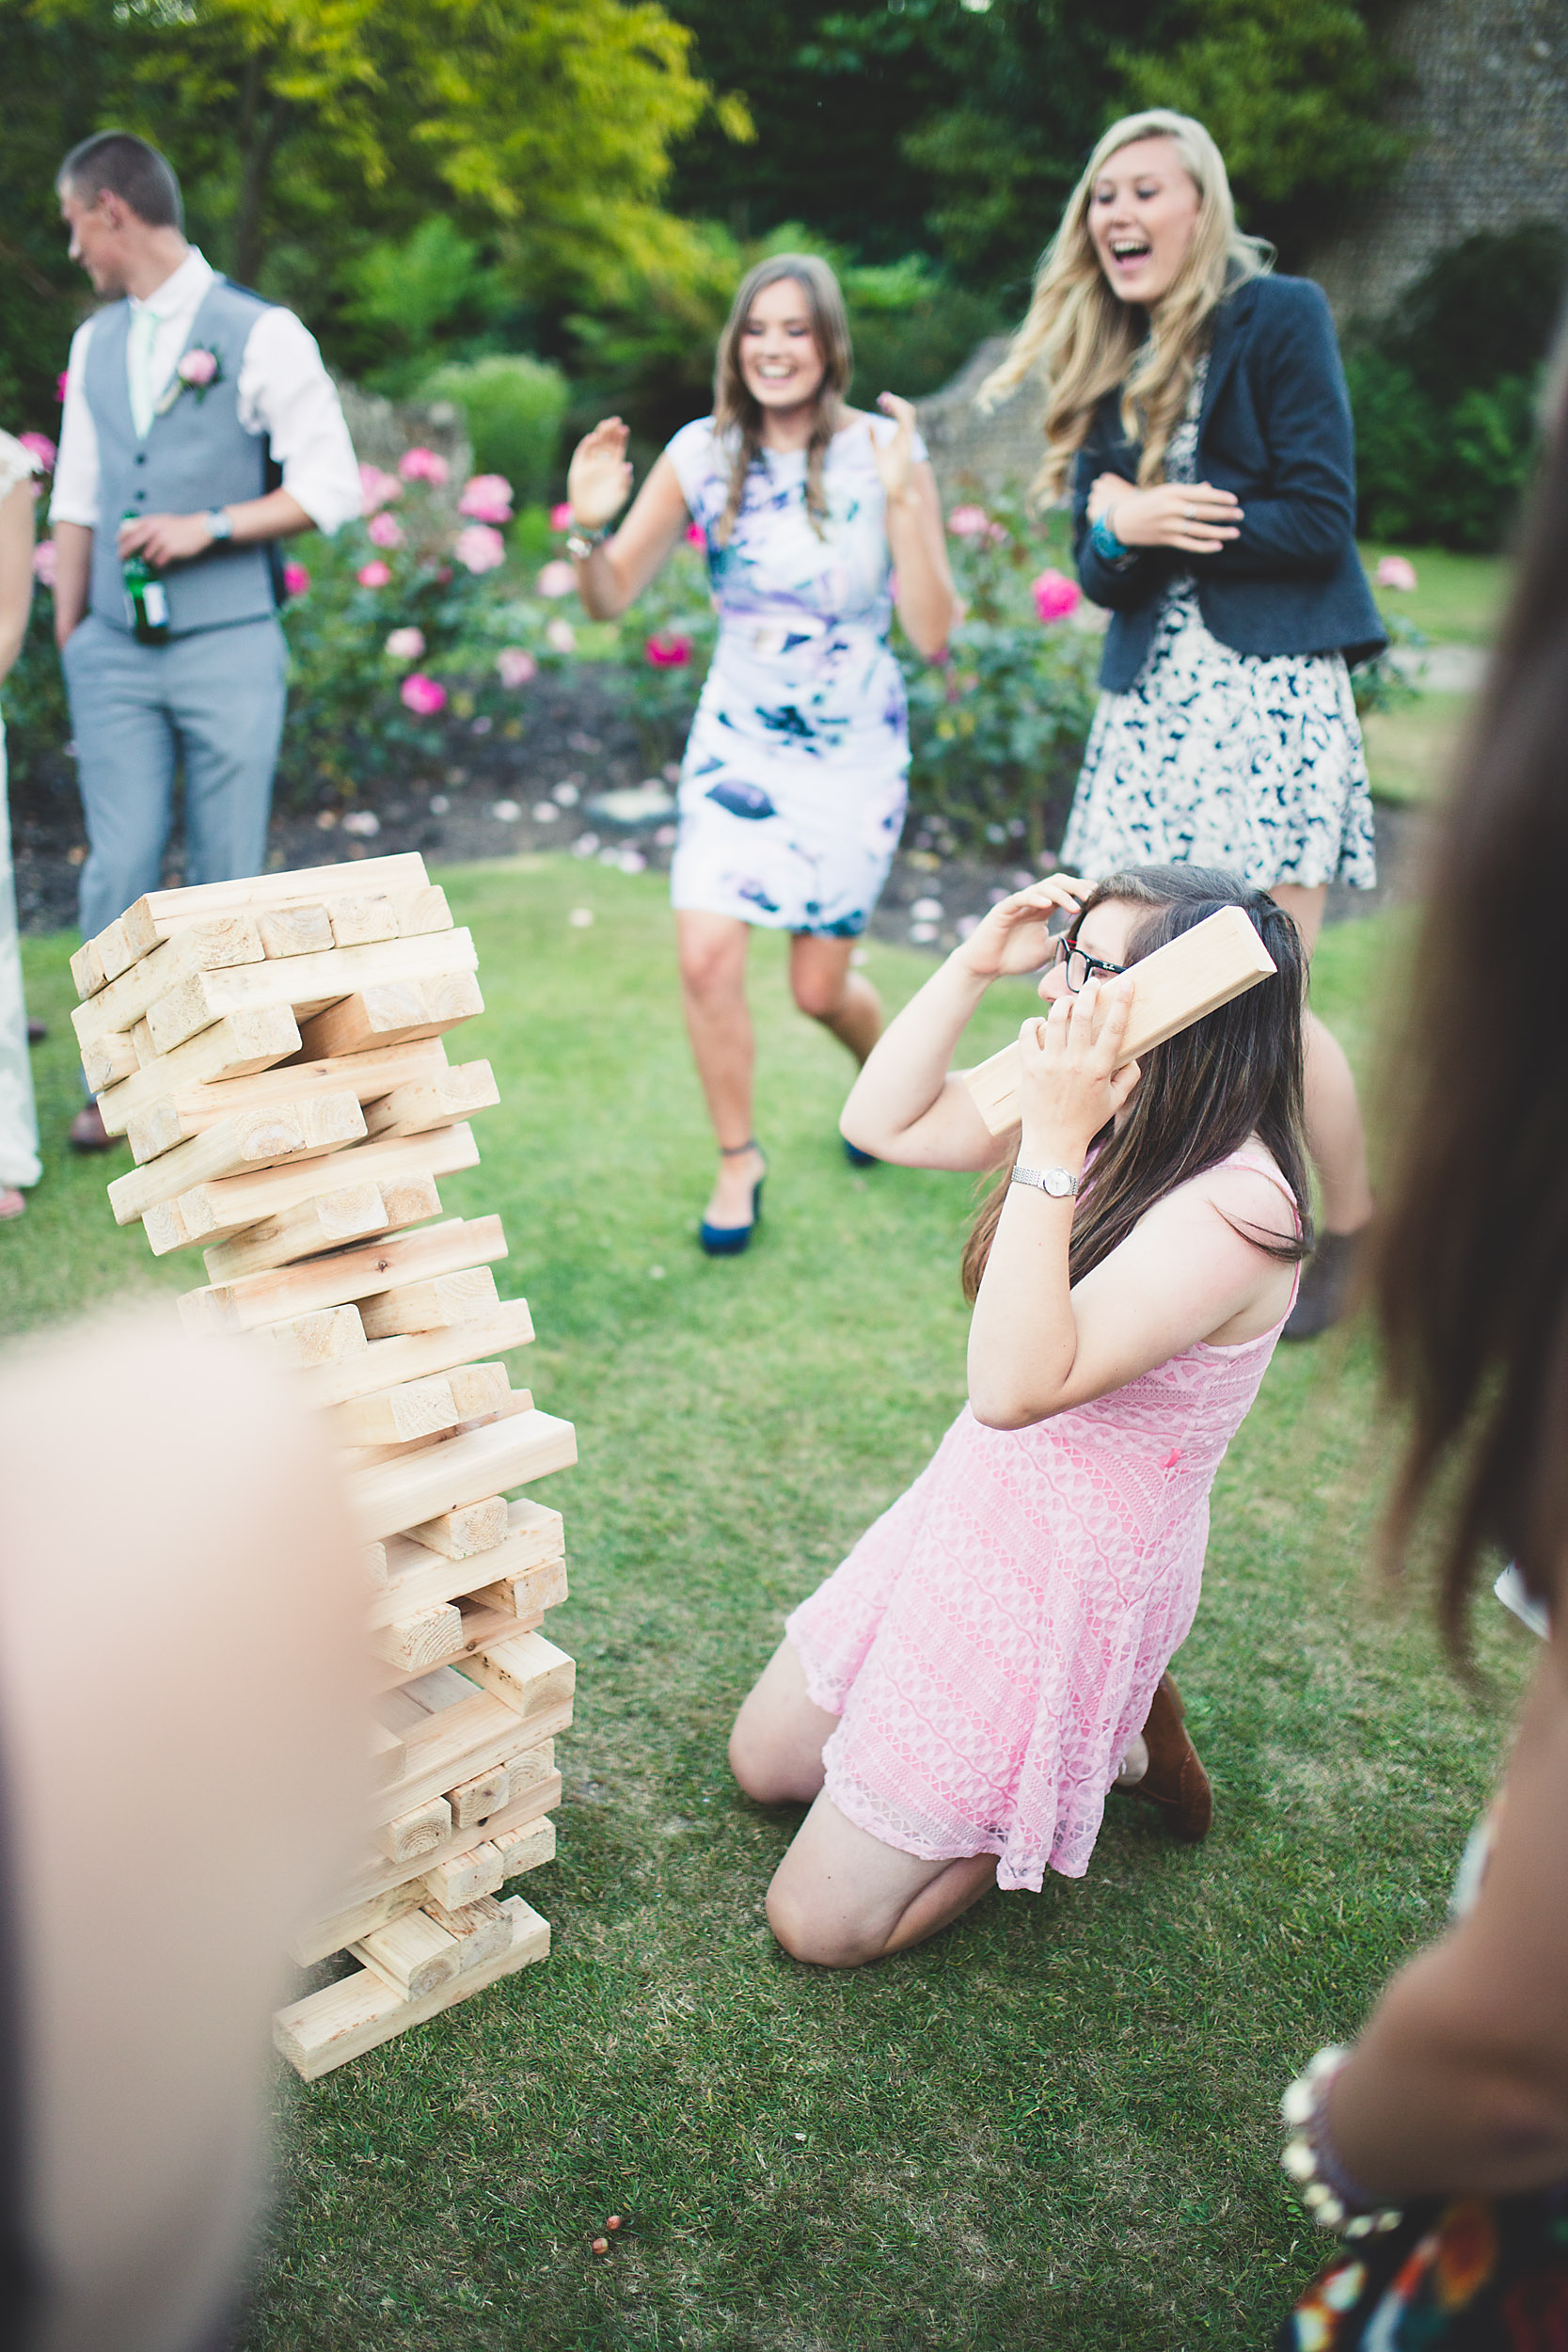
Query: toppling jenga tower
x,y
272,1051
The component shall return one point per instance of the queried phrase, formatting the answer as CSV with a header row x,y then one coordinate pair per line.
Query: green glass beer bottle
x,y
146,597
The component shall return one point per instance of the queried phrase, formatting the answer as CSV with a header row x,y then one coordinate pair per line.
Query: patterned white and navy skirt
x,y
1211,757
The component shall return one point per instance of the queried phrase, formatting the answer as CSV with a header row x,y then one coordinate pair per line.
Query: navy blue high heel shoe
x,y
728,1241
855,1157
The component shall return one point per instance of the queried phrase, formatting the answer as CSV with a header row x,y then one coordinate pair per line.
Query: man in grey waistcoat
x,y
200,429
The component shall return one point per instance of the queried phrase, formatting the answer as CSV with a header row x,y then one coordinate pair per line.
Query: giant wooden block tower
x,y
273,1052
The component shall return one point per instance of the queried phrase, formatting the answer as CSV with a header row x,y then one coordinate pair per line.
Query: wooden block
x,y
173,1118
517,1402
300,930
346,1928
164,913
458,1743
426,1306
243,1144
1197,973
395,1415
525,1671
477,1628
479,1526
394,1014
525,1849
310,983
229,1203
355,922
415,1830
481,1930
333,1335
466,1876
455,1094
415,1953
343,2020
142,1045
420,910
328,1221
166,1228
478,1389
471,1801
388,1759
415,1643
235,1048
86,969
373,1559
111,1060
212,946
376,1876
275,1297
531,1776
529,1563
420,1354
437,1689
115,951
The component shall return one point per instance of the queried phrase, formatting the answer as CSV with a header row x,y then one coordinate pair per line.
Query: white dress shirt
x,y
283,391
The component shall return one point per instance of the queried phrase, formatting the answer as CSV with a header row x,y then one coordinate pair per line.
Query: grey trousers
x,y
215,696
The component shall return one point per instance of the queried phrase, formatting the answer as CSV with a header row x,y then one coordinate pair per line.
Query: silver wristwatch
x,y
220,522
1055,1181
580,543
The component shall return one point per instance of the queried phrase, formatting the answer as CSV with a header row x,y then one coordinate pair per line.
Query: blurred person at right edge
x,y
1196,411
1437,2144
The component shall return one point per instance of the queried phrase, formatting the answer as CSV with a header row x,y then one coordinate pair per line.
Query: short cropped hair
x,y
135,172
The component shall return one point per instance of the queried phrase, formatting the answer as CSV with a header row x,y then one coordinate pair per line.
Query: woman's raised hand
x,y
1191,516
894,456
1015,936
598,480
1072,1076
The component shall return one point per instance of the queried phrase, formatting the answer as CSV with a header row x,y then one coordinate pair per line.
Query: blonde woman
x,y
1197,407
794,783
18,1126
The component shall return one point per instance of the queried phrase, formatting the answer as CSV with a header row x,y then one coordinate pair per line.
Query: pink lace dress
x,y
993,1643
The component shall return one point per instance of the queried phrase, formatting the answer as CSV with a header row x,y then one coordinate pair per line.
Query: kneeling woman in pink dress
x,y
955,1702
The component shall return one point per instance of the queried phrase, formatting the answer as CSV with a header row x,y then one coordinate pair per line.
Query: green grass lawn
x,y
1055,2126
1457,599
1411,750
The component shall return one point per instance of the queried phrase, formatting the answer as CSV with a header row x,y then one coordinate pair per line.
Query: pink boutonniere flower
x,y
198,370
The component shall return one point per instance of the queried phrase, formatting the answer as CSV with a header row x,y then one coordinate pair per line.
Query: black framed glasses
x,y
1080,965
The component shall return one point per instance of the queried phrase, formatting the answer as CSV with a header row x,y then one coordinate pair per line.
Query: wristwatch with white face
x,y
1055,1181
220,522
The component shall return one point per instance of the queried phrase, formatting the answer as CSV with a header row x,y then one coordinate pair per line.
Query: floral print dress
x,y
796,773
1252,762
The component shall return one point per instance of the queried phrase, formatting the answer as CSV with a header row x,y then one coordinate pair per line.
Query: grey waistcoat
x,y
195,456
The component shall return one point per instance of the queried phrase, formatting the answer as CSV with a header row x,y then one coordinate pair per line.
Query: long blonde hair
x,y
734,408
1088,340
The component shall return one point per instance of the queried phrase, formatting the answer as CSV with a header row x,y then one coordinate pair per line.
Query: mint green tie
x,y
144,329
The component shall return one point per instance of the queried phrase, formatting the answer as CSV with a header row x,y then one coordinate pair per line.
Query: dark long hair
x,y
1237,1072
1471,1280
735,411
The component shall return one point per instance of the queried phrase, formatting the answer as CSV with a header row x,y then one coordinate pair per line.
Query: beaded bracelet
x,y
1332,2195
1107,546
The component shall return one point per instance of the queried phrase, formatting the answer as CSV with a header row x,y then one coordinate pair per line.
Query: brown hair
x,y
1471,1278
1235,1073
735,412
1088,340
130,169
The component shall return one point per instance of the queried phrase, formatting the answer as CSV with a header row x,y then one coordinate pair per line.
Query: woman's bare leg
x,y
1335,1134
713,993
824,986
839,1897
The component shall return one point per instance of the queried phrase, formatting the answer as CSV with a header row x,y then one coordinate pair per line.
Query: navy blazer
x,y
1276,428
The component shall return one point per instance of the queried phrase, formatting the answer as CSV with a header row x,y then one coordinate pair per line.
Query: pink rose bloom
x,y
561,636
665,650
1055,595
377,488
487,497
198,367
516,667
422,695
59,386
1396,571
384,530
968,522
422,465
296,580
44,562
556,579
562,516
406,644
42,447
374,575
695,535
478,549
